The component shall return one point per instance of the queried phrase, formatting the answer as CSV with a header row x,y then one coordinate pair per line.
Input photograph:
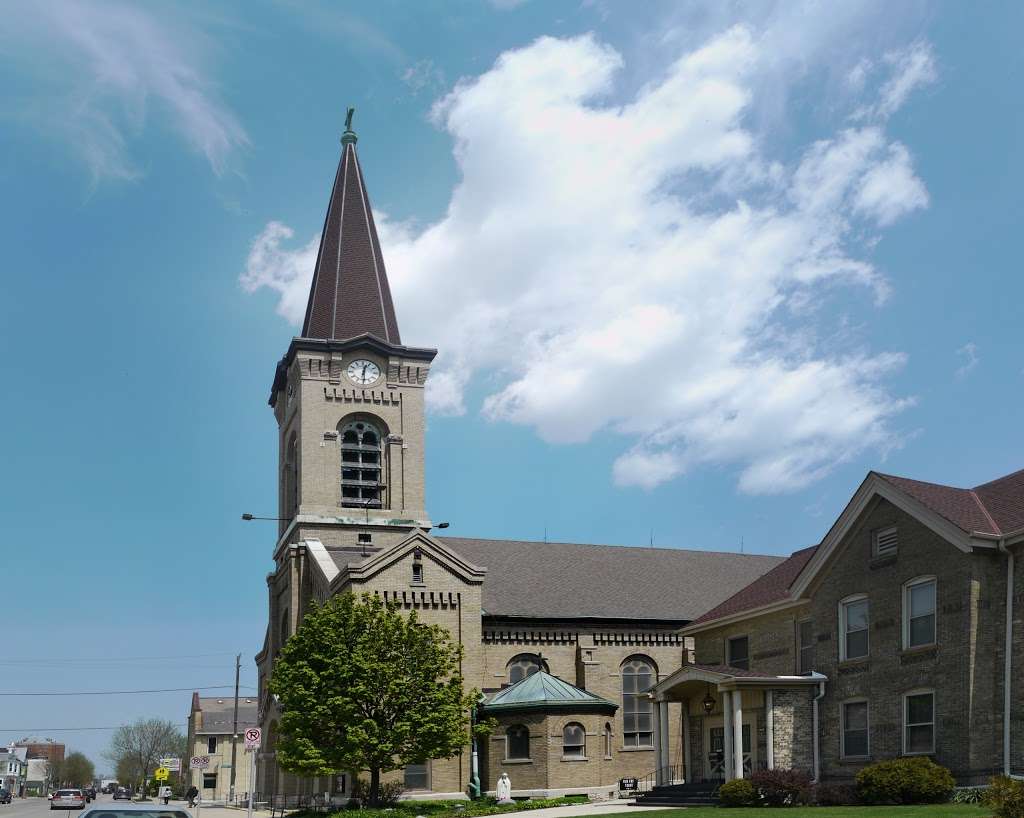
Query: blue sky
x,y
693,270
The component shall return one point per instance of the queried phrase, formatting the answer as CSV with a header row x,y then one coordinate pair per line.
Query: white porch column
x,y
659,762
687,769
769,729
737,726
727,763
666,755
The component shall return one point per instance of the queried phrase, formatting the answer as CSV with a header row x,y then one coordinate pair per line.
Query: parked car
x,y
68,799
5,795
122,794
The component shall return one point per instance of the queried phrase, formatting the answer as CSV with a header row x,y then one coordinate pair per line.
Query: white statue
x,y
503,791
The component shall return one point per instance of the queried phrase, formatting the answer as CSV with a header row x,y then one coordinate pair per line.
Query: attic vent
x,y
886,541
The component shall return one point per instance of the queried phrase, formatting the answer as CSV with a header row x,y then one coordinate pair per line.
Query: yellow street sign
x,y
162,774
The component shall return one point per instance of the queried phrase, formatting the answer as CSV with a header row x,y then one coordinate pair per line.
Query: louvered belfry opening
x,y
362,484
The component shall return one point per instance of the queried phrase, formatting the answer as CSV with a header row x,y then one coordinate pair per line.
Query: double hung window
x,y
919,613
853,628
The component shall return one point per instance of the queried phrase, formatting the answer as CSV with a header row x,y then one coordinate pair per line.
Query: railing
x,y
280,805
672,774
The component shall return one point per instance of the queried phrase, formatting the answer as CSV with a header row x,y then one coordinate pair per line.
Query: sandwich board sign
x,y
253,737
199,762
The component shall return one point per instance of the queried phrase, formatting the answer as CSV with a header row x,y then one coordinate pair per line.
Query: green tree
x,y
363,687
77,770
136,748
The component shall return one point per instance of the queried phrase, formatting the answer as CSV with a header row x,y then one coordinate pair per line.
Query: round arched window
x,y
574,741
638,675
523,665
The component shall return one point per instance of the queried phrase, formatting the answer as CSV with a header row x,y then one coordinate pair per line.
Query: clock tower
x,y
348,395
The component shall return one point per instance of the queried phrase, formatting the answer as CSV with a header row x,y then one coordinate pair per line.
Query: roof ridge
x,y
659,548
997,479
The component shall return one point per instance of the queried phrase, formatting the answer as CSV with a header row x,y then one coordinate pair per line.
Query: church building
x,y
900,634
598,625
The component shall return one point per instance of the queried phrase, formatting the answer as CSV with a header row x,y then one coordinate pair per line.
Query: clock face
x,y
363,372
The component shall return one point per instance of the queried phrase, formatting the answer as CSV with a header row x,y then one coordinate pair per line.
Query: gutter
x,y
1008,661
816,748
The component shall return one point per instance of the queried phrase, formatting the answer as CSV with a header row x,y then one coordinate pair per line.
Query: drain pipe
x,y
1008,662
814,727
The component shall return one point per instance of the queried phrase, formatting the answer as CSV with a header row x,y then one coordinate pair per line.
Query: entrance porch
x,y
735,722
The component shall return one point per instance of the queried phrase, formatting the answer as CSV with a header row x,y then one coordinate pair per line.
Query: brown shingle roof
x,y
995,508
772,587
350,295
573,580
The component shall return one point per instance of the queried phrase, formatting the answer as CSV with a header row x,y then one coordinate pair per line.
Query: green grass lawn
x,y
929,811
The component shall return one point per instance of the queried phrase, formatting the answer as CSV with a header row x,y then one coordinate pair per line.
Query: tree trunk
x,y
375,786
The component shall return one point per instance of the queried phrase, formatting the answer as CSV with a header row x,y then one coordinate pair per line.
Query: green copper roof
x,y
542,691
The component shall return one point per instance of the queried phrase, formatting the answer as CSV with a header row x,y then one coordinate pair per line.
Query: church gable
x,y
417,561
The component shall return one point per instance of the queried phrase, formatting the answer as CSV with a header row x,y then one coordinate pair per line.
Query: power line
x,y
116,658
38,730
120,692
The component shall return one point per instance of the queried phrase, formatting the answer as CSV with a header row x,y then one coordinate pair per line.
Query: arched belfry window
x,y
638,675
361,461
523,665
291,478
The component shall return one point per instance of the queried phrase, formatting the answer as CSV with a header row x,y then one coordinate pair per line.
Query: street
x,y
40,807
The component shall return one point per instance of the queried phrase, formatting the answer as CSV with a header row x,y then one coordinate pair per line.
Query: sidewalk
x,y
571,811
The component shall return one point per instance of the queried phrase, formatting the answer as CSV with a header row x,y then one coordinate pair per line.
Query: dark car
x,y
5,795
90,793
121,794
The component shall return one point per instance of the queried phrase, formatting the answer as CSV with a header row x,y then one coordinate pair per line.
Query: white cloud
x,y
423,75
98,68
910,69
583,267
969,354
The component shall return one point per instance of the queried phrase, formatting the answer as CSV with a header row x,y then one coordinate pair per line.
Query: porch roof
x,y
725,677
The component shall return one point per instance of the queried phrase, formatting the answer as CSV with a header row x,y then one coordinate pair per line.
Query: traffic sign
x,y
162,774
172,764
199,762
253,737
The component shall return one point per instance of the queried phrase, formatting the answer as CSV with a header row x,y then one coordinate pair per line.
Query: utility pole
x,y
234,731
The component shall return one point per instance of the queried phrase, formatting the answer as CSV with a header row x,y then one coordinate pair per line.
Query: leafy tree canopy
x,y
362,686
136,748
77,770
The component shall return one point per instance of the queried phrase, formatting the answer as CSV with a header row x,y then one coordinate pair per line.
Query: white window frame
x,y
842,727
923,691
907,586
875,535
843,603
728,649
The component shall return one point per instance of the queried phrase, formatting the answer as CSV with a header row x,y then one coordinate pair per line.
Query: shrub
x,y
835,795
740,792
969,795
390,792
916,780
782,788
1005,797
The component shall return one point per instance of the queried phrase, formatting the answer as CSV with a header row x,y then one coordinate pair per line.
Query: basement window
x,y
886,541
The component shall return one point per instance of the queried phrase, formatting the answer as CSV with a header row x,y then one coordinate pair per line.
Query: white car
x,y
68,799
151,810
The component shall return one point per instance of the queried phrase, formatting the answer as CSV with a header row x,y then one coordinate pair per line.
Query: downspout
x,y
1008,661
814,727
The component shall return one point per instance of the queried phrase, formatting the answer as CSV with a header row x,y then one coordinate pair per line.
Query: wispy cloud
x,y
968,354
424,76
581,263
94,72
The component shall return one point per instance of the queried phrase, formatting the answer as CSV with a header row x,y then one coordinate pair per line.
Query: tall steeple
x,y
350,295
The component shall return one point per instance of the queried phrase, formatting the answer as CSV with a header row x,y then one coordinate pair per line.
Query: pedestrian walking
x,y
192,793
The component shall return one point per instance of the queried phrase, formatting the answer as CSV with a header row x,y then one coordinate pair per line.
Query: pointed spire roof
x,y
542,691
350,295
